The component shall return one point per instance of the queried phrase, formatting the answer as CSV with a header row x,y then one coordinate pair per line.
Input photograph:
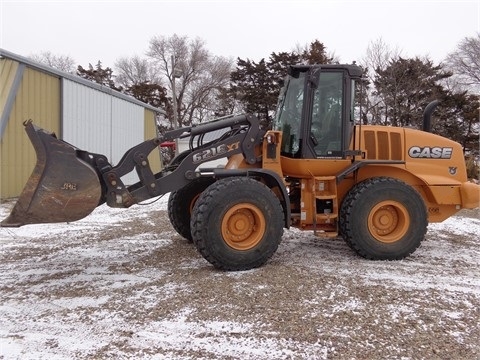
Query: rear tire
x,y
181,202
383,219
237,223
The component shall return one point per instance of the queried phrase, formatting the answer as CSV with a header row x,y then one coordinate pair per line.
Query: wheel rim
x,y
243,226
192,203
388,221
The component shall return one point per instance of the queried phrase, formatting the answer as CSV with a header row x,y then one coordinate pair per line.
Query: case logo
x,y
430,152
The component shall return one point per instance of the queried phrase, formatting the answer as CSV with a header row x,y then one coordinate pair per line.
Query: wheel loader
x,y
316,169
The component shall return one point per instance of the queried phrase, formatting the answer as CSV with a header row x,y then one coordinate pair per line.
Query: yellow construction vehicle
x,y
316,169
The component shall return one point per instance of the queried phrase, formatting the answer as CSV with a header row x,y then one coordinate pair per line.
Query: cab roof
x,y
354,71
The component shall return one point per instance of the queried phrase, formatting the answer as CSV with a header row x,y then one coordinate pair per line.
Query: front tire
x,y
383,219
237,223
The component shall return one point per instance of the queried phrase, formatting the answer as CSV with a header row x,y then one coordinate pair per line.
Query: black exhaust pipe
x,y
427,113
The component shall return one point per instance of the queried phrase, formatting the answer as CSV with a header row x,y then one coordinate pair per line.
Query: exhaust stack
x,y
427,114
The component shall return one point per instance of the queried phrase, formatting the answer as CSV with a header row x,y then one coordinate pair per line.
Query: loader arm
x,y
67,183
244,135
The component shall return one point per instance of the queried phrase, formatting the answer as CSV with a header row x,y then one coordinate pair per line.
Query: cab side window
x,y
327,114
289,115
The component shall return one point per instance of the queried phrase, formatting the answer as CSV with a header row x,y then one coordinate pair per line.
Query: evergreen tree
x,y
227,103
457,119
257,85
278,64
153,94
316,54
99,75
406,87
253,83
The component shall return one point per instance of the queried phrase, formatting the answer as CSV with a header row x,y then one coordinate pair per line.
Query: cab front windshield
x,y
289,113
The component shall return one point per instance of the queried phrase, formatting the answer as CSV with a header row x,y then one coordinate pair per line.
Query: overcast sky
x,y
89,31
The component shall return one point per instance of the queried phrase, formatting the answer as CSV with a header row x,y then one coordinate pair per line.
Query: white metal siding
x,y
101,123
129,122
87,118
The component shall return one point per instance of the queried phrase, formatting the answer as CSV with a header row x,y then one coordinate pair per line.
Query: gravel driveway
x,y
122,284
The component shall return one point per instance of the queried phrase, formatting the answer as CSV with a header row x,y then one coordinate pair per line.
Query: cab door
x,y
324,124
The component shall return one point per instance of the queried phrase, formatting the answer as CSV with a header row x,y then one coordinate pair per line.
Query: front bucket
x,y
62,187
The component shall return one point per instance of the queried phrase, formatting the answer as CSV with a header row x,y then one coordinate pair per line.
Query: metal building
x,y
88,115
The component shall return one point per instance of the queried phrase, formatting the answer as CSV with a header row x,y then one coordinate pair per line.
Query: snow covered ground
x,y
123,284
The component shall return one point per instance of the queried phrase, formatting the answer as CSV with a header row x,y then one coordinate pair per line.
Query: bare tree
x,y
59,62
135,70
201,76
378,57
379,54
464,63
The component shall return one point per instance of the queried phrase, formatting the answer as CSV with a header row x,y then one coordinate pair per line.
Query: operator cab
x,y
315,110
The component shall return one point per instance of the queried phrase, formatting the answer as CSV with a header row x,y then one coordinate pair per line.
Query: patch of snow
x,y
66,294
